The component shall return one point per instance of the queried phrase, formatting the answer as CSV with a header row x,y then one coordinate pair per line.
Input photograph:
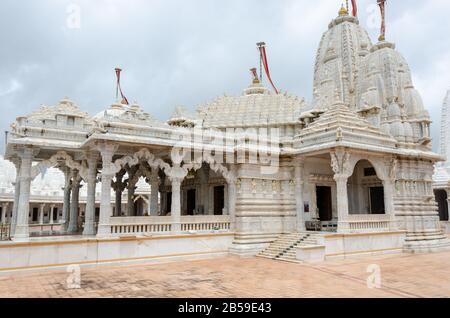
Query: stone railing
x,y
164,224
205,223
365,223
44,229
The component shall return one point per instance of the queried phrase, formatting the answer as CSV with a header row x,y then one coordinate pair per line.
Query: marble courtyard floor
x,y
402,275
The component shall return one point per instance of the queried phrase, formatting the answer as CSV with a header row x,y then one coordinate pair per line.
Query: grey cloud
x,y
187,52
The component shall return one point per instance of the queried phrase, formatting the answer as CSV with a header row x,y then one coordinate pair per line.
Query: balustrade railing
x,y
164,224
366,223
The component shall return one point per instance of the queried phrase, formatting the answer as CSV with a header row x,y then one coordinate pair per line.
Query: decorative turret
x,y
386,82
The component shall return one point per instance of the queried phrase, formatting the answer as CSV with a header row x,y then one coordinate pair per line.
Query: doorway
x,y
191,201
35,215
441,199
377,200
324,203
219,200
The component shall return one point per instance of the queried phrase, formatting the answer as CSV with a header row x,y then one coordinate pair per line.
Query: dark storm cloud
x,y
187,52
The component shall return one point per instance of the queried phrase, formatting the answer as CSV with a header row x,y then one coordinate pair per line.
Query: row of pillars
x,y
19,224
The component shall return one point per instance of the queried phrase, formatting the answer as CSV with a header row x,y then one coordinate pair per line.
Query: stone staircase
x,y
284,248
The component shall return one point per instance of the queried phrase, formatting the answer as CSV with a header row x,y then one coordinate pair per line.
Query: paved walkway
x,y
402,275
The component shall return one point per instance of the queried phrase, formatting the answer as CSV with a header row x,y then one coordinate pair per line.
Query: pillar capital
x,y
176,173
340,163
341,177
298,161
27,153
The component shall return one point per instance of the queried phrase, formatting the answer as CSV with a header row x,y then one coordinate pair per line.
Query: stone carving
x,y
55,160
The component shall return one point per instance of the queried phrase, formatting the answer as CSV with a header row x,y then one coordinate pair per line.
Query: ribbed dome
x,y
338,59
414,103
116,110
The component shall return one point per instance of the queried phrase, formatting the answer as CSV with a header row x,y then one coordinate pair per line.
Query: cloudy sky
x,y
187,52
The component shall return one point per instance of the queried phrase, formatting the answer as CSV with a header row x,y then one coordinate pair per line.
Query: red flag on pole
x,y
382,4
355,8
119,88
263,54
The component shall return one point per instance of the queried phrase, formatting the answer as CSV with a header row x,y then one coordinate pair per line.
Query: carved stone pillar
x,y
13,221
67,193
313,203
389,197
118,201
119,186
22,231
232,201
41,213
176,205
299,185
154,184
342,197
131,188
89,219
340,163
107,151
51,214
176,176
75,202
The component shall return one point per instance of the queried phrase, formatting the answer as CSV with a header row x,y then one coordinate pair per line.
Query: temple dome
x,y
256,107
339,56
387,70
115,111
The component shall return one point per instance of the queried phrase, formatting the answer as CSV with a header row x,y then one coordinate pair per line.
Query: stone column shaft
x,y
52,216
342,199
154,184
89,220
41,214
66,205
107,152
300,206
130,203
176,205
74,206
118,210
16,199
232,202
22,230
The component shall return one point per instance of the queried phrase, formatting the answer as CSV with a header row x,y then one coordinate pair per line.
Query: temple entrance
x,y
365,190
191,201
376,200
324,204
35,215
139,207
441,199
219,200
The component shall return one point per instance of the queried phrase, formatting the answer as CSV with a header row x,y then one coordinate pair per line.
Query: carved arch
x,y
138,156
54,160
214,166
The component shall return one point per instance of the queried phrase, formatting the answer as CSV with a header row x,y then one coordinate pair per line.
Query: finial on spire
x,y
382,5
255,75
343,11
